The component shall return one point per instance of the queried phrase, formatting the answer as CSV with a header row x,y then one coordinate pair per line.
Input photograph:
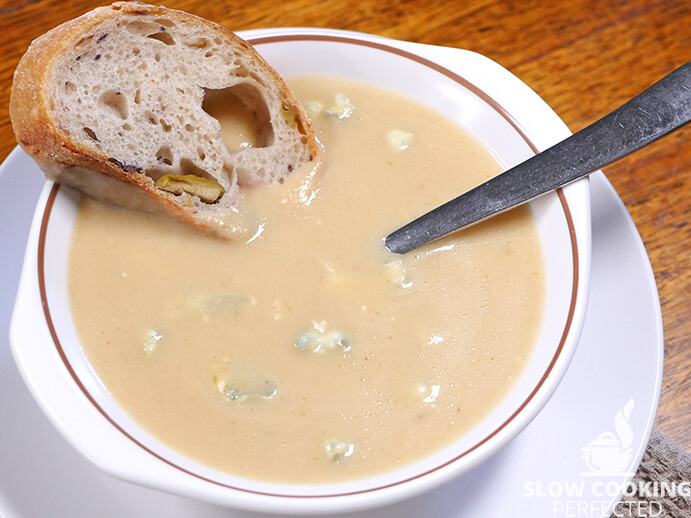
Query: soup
x,y
306,352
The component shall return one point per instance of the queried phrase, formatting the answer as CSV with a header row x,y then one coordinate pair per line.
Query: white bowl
x,y
471,89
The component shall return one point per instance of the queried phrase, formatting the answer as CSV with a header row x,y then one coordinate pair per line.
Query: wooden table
x,y
584,57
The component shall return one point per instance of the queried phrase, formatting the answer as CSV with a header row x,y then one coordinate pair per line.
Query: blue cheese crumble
x,y
151,341
341,109
314,108
207,304
338,449
397,275
428,392
237,390
320,339
399,140
240,386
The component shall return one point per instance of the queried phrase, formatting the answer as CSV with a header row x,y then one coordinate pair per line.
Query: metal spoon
x,y
652,114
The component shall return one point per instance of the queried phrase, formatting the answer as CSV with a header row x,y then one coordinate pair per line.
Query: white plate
x,y
604,408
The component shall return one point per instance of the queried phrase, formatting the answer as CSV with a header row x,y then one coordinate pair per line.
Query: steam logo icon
x,y
610,453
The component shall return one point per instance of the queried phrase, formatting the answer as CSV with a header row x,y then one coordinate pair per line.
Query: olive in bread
x,y
112,103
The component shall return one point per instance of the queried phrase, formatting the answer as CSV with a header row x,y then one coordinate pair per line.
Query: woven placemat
x,y
662,484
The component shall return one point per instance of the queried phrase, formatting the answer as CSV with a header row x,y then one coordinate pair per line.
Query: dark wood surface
x,y
584,57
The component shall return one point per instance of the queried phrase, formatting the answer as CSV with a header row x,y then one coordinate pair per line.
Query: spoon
x,y
652,114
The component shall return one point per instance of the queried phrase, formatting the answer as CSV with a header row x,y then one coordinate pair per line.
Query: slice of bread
x,y
111,103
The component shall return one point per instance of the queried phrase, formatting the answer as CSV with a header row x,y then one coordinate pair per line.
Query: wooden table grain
x,y
584,57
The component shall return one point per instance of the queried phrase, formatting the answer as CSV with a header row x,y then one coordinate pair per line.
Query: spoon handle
x,y
660,109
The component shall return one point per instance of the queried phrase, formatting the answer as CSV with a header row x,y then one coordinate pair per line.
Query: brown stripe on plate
x,y
429,64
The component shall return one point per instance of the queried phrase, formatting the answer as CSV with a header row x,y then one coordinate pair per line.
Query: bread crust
x,y
59,156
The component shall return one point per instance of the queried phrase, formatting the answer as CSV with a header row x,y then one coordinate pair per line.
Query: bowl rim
x,y
546,382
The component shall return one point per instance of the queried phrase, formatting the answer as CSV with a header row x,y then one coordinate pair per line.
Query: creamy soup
x,y
308,353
